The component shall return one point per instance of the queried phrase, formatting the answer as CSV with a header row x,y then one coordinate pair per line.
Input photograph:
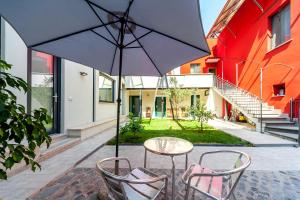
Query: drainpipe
x,y
237,75
261,98
222,76
291,110
299,126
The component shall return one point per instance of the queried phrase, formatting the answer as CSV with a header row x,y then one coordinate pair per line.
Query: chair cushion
x,y
141,191
208,184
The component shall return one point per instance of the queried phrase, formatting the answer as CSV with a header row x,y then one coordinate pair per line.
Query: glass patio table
x,y
168,146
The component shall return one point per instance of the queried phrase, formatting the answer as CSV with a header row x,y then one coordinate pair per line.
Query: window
x,y
194,100
212,70
195,68
281,30
106,88
279,89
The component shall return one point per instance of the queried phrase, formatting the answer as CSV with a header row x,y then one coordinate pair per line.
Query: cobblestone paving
x,y
85,183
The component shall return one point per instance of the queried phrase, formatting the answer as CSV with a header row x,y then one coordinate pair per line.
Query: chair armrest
x,y
220,151
113,159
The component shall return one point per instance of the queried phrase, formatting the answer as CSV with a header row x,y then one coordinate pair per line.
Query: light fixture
x,y
83,73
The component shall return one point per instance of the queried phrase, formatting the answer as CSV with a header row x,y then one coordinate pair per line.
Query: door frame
x,y
164,107
56,128
131,103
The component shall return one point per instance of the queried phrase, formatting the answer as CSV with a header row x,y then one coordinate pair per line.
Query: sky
x,y
210,10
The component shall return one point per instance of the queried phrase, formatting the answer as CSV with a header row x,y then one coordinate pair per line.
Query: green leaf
x,y
3,174
17,156
32,146
9,162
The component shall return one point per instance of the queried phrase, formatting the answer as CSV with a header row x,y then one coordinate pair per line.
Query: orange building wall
x,y
248,46
185,68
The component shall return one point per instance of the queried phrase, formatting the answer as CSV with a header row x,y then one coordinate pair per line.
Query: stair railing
x,y
235,93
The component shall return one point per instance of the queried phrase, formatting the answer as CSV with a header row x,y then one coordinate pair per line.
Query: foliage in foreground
x,y
20,133
200,112
134,125
185,129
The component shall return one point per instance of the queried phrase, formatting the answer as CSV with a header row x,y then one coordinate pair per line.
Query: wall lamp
x,y
83,73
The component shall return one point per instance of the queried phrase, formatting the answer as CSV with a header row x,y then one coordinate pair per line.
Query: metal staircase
x,y
260,113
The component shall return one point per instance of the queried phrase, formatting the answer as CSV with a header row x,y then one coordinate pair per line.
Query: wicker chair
x,y
138,184
217,184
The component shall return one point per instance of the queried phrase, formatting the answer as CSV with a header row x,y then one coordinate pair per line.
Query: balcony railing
x,y
186,81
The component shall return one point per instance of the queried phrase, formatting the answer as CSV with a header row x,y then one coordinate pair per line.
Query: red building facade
x,y
261,36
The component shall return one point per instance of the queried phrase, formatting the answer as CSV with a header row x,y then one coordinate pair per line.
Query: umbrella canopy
x,y
159,35
119,37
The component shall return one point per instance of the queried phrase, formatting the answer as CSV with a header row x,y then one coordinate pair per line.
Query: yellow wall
x,y
148,100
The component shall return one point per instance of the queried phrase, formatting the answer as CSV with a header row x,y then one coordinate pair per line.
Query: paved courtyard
x,y
273,175
86,183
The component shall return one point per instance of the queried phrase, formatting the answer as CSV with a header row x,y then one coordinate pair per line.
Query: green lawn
x,y
185,129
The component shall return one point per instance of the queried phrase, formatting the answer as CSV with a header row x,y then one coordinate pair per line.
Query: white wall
x,y
77,95
14,51
106,110
214,103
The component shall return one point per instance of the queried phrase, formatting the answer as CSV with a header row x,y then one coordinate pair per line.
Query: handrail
x,y
249,103
238,88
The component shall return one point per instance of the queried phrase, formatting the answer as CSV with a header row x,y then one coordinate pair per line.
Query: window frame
x,y
113,87
194,64
279,12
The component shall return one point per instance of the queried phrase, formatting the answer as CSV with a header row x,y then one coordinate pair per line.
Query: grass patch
x,y
185,129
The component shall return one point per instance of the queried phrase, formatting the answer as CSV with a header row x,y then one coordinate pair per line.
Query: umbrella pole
x,y
121,47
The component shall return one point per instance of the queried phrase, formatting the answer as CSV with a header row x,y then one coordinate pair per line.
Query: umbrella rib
x,y
71,34
145,51
138,38
127,10
112,65
91,7
133,47
104,37
168,36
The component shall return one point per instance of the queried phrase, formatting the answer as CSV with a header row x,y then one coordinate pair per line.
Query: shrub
x,y
134,125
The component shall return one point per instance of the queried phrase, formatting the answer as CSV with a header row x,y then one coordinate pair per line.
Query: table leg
x,y
186,161
173,177
145,158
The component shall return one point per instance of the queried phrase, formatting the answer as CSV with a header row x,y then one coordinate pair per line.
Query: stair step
x,y
58,147
268,118
289,136
59,144
293,128
58,137
279,122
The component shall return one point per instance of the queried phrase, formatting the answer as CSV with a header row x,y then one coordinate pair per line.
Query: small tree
x,y
176,94
201,113
20,133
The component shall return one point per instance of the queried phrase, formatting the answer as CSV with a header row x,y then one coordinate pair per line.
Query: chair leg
x,y
166,189
187,194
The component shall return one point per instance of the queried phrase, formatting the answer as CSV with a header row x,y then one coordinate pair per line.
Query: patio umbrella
x,y
119,37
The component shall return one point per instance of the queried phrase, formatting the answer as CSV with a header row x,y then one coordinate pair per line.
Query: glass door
x,y
160,107
134,105
45,87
